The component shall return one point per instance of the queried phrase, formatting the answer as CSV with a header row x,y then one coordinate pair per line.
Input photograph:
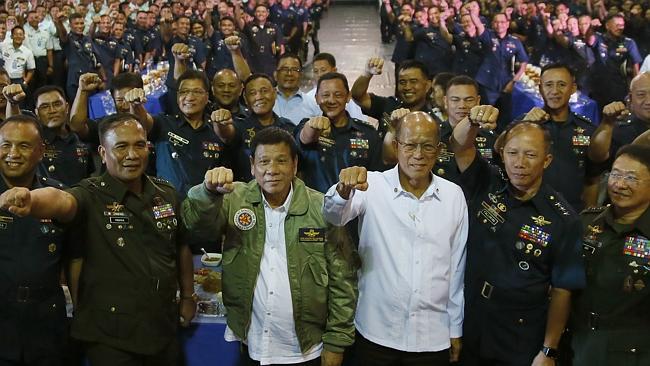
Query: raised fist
x,y
181,51
613,111
355,177
14,93
221,117
135,96
375,66
17,201
537,115
485,116
89,82
233,43
321,124
219,180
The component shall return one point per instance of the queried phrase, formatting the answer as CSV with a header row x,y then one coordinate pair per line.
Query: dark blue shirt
x,y
262,40
184,154
245,130
107,50
80,56
497,67
469,54
357,144
432,49
66,159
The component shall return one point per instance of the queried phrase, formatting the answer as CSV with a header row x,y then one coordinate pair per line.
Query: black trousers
x,y
368,353
103,355
246,360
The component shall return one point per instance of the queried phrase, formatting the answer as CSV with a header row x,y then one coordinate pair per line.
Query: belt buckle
x,y
486,291
22,294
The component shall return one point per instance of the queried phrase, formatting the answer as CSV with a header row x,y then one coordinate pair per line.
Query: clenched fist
x,y
537,115
219,180
355,177
233,43
89,82
375,66
135,96
484,116
221,117
17,201
181,51
613,111
321,124
14,93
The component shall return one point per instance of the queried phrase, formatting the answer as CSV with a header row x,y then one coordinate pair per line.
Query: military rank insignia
x,y
637,246
311,235
245,219
5,221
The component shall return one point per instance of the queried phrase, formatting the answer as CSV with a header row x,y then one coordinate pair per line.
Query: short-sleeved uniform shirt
x,y
432,49
262,39
469,54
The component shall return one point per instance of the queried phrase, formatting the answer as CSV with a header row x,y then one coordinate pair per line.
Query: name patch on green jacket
x,y
311,235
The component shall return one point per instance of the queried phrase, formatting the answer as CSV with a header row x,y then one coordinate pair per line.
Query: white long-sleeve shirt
x,y
272,337
413,260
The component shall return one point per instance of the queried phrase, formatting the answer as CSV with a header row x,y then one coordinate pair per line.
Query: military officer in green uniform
x,y
134,259
610,316
288,281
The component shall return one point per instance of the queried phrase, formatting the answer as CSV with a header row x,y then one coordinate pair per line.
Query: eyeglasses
x,y
425,147
54,106
287,70
629,179
187,92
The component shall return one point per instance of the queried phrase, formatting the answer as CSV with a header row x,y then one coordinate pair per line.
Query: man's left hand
x,y
454,351
187,310
328,358
542,360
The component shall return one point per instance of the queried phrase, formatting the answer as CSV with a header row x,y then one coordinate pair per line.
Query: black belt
x,y
26,294
521,297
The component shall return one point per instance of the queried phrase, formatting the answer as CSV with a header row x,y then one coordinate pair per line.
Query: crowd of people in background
x,y
423,228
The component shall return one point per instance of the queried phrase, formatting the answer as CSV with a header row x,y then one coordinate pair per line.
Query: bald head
x,y
640,96
419,122
226,88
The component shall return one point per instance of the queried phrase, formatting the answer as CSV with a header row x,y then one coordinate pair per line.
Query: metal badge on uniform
x,y
5,221
311,235
176,139
492,214
120,242
444,154
637,246
245,219
51,248
524,266
540,220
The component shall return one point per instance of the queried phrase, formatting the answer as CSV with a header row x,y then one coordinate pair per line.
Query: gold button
x,y
112,309
54,306
120,241
520,321
51,168
633,350
440,171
